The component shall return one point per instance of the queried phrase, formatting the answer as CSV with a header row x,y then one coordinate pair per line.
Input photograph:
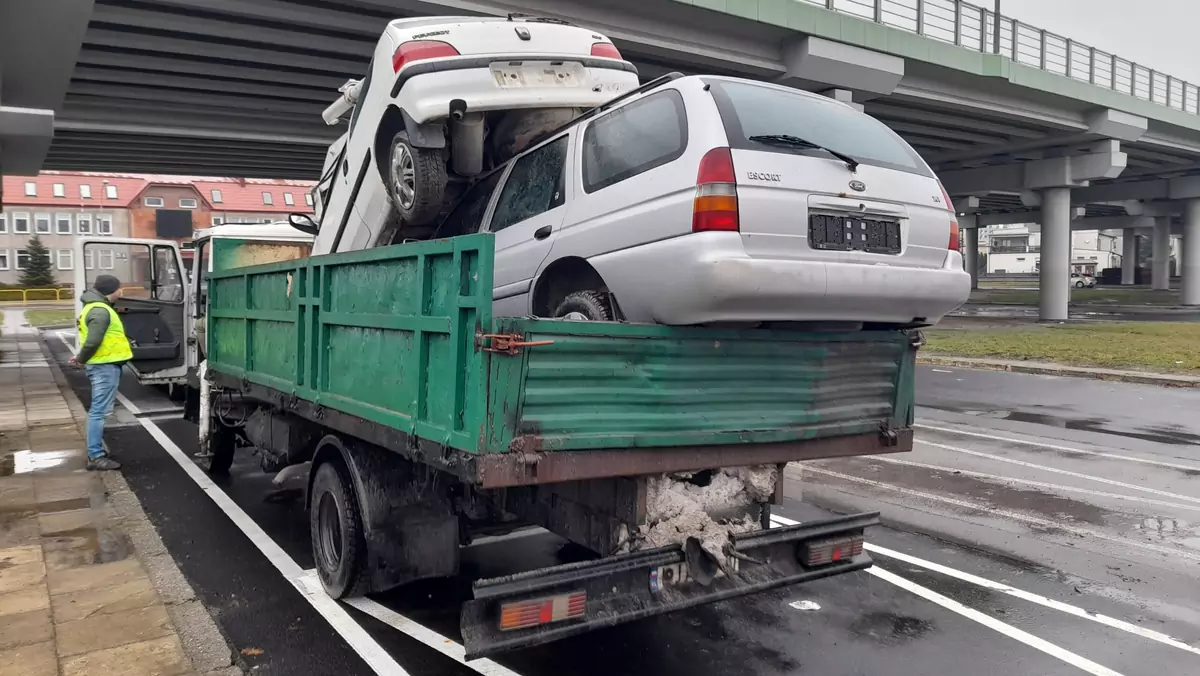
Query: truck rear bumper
x,y
635,586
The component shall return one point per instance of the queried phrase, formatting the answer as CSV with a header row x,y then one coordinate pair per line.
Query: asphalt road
x,y
1097,543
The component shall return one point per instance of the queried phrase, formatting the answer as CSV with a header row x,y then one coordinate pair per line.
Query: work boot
x,y
102,463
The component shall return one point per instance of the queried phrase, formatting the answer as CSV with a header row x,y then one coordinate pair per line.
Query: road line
x,y
1016,516
425,635
1064,472
1039,484
1008,630
1055,447
1036,598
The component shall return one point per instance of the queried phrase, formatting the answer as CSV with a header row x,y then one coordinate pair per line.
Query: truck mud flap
x,y
540,606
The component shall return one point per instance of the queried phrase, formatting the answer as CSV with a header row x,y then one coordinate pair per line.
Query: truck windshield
x,y
753,114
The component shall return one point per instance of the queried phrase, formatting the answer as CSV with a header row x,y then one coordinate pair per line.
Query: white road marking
x,y
1008,630
1056,447
1039,484
805,605
941,371
1055,470
1015,516
427,636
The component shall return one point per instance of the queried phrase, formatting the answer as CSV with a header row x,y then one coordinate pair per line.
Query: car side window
x,y
534,186
467,217
634,139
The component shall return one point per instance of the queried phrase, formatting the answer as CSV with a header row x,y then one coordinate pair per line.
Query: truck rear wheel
x,y
416,181
335,522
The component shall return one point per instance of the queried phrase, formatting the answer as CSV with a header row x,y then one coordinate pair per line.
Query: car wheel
x,y
585,306
1078,285
416,181
339,550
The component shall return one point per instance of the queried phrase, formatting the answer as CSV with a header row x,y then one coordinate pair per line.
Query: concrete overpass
x,y
1032,126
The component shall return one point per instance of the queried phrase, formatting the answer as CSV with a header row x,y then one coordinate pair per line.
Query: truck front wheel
x,y
416,181
339,549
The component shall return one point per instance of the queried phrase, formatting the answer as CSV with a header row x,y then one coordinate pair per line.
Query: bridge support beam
x,y
1191,253
1129,245
1055,273
970,250
1160,270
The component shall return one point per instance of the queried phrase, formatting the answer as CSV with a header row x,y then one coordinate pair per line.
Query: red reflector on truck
x,y
531,613
833,550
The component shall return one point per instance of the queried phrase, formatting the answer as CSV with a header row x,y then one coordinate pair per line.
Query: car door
x,y
154,300
529,210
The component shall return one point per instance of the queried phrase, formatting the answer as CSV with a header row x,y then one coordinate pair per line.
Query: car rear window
x,y
634,139
748,109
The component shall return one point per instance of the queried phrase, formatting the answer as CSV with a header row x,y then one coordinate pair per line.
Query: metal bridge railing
x,y
972,27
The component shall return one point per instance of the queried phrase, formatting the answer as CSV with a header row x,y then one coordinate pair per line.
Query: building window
x,y
3,222
104,225
30,189
60,190
22,259
85,191
21,223
288,200
41,224
153,201
216,197
187,203
3,259
89,259
84,224
106,259
308,199
217,220
66,259
268,200
62,224
110,191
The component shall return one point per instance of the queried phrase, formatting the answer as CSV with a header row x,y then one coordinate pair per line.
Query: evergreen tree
x,y
38,272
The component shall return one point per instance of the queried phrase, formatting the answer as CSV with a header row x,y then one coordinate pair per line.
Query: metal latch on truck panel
x,y
506,343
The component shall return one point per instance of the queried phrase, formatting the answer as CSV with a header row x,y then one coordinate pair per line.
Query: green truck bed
x,y
403,337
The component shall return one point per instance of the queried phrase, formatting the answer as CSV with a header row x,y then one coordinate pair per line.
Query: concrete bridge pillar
x,y
1129,244
1190,248
1160,272
1055,273
970,247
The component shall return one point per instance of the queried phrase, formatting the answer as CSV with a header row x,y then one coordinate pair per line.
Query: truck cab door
x,y
154,300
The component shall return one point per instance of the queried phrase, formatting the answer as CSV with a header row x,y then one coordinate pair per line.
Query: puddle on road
x,y
92,545
890,628
1175,436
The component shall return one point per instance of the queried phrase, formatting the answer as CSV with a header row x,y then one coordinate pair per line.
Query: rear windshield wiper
x,y
797,142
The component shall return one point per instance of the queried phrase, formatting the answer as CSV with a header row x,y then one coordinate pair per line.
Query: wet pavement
x,y
1087,506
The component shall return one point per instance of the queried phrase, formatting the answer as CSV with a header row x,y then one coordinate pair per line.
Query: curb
x,y
1034,368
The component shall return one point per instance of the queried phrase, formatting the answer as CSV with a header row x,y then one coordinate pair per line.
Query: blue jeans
x,y
104,379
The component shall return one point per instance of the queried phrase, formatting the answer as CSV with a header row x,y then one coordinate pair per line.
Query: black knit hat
x,y
106,284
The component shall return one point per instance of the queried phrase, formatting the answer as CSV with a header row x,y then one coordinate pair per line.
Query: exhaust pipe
x,y
466,139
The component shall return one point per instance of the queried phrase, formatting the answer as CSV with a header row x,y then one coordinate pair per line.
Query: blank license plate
x,y
846,233
539,74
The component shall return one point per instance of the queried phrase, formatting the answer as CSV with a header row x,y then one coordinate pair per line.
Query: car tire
x,y
416,181
335,522
591,306
1078,285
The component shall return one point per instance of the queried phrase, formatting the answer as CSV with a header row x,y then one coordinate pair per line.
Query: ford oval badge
x,y
858,186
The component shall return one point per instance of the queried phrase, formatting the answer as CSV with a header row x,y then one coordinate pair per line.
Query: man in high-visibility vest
x,y
103,350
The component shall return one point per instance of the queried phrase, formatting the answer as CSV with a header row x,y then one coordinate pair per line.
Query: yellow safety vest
x,y
115,346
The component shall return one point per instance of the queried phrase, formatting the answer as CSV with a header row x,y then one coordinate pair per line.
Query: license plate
x,y
847,233
537,74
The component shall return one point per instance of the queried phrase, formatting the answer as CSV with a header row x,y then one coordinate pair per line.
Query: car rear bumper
x,y
707,277
425,90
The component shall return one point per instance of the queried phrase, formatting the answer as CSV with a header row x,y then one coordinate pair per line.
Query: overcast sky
x,y
1161,34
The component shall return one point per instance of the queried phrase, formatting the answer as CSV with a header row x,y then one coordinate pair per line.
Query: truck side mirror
x,y
304,223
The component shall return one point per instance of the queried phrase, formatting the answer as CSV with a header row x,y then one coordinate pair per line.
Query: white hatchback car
x,y
445,99
704,199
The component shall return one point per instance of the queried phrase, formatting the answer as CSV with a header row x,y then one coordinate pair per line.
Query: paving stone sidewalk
x,y
80,595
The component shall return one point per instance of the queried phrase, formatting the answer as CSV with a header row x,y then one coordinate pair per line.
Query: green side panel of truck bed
x,y
396,335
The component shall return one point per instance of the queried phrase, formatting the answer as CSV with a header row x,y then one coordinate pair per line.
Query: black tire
x,y
1079,285
222,445
592,306
416,181
339,549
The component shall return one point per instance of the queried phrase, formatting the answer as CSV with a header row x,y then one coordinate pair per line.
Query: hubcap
x,y
331,533
575,317
404,176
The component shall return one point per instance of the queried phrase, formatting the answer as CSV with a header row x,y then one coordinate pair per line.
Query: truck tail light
x,y
954,235
534,612
716,205
605,50
420,50
832,550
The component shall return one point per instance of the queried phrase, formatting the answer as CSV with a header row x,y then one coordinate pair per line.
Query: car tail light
x,y
954,235
716,203
833,550
420,50
534,612
605,50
